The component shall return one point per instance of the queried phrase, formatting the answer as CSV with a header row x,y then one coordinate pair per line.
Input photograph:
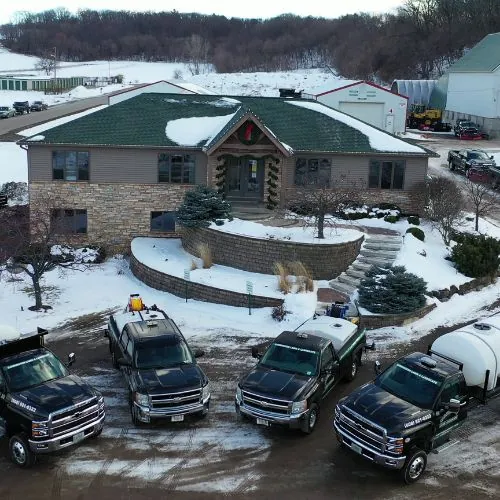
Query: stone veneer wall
x,y
116,213
197,291
325,261
382,320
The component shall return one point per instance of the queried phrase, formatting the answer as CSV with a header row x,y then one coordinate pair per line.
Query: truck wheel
x,y
353,368
134,416
312,419
114,361
414,466
20,452
451,166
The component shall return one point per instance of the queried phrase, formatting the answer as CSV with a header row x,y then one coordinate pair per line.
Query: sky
x,y
254,9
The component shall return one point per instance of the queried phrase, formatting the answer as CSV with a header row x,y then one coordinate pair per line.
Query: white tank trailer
x,y
477,348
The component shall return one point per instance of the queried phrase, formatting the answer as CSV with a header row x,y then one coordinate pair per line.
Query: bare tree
x,y
479,196
47,63
320,200
33,244
444,205
197,48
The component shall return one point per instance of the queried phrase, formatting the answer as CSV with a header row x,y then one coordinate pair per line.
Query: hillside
x,y
419,41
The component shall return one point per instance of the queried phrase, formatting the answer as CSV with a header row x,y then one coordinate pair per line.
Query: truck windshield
x,y
156,355
291,359
406,383
478,155
33,371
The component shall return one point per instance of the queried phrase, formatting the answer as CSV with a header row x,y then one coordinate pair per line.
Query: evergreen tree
x,y
477,255
201,206
391,290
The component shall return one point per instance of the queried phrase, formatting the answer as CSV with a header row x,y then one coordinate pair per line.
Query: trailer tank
x,y
477,346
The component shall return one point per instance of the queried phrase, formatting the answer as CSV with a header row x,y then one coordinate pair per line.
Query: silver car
x,y
6,112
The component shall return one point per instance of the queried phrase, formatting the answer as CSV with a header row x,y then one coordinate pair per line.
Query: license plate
x,y
78,437
357,448
263,421
177,418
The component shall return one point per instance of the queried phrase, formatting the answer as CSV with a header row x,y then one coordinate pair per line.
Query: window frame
x,y
398,173
188,165
162,212
325,364
314,169
62,217
78,168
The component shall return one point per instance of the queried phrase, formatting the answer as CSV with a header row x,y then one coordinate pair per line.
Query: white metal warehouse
x,y
366,101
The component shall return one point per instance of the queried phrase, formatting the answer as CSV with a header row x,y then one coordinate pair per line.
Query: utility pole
x,y
55,68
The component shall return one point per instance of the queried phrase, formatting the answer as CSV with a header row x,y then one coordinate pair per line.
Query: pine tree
x,y
201,206
391,290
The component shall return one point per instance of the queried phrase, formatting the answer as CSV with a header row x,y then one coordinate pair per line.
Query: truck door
x,y
3,397
447,420
329,368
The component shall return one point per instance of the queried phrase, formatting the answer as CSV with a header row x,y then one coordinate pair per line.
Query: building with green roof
x,y
122,171
472,86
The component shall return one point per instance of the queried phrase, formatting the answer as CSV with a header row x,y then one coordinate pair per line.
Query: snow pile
x,y
85,255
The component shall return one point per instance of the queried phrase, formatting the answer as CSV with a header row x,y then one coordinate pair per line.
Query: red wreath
x,y
249,133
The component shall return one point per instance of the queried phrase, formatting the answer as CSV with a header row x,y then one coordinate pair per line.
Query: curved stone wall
x,y
177,286
325,261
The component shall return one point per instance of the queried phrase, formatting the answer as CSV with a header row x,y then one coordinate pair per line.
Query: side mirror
x,y
122,362
492,157
453,406
377,367
71,358
198,353
106,332
255,353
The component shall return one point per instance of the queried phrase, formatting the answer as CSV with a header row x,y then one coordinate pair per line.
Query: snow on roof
x,y
335,329
331,85
197,89
196,130
379,140
8,333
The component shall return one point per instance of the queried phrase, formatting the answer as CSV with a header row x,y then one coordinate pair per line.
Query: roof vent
x,y
336,325
302,335
152,324
428,362
482,326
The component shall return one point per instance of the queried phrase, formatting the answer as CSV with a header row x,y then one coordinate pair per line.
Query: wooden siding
x,y
111,165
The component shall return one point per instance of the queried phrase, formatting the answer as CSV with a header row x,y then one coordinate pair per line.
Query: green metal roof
x,y
483,57
141,121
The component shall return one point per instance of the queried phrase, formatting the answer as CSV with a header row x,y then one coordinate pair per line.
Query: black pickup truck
x,y
42,407
164,381
21,107
412,407
297,370
463,159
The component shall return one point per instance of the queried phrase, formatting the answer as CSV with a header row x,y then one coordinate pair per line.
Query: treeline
x,y
419,41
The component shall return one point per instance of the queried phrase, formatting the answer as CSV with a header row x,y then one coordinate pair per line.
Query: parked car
x,y
38,106
6,112
466,129
21,107
479,174
43,408
463,159
163,378
298,370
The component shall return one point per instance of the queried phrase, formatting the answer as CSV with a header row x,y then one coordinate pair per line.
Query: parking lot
x,y
221,457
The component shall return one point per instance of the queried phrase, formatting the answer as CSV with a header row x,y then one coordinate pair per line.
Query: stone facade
x,y
325,261
382,320
197,291
116,213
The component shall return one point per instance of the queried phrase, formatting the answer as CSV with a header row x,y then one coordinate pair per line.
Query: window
x,y
69,221
386,174
163,221
178,169
70,165
327,357
451,390
313,171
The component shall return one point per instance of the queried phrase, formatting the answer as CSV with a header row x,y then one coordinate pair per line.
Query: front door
x,y
245,178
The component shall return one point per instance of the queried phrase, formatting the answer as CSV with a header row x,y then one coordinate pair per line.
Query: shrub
x,y
391,290
417,232
413,219
279,313
389,206
303,276
205,255
391,218
284,283
201,206
477,255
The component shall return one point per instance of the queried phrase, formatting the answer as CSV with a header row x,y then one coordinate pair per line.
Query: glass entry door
x,y
245,178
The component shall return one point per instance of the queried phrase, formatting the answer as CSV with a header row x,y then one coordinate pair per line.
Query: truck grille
x,y
175,399
264,403
361,429
73,418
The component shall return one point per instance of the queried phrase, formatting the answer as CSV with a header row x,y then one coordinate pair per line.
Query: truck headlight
x,y
39,429
299,406
205,393
141,399
395,445
239,397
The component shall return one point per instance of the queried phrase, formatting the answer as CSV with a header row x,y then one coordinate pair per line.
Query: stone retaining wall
x,y
177,286
380,320
470,286
324,261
